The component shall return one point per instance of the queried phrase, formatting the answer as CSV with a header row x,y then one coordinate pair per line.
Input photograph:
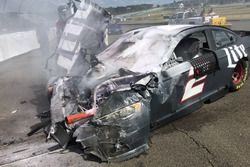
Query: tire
x,y
240,75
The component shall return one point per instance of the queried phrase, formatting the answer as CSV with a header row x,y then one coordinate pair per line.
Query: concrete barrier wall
x,y
18,43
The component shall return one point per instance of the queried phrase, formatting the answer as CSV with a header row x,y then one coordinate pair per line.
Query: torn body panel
x,y
117,136
83,37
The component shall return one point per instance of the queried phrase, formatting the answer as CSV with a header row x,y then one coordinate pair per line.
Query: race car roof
x,y
175,27
134,49
167,28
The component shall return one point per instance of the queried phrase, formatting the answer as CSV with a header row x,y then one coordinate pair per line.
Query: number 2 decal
x,y
193,87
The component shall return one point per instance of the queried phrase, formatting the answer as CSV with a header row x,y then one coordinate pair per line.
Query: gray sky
x,y
40,6
107,3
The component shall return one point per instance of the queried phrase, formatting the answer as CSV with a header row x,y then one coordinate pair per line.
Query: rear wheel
x,y
240,75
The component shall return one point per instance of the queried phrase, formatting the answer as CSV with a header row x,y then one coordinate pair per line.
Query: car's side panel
x,y
228,57
203,89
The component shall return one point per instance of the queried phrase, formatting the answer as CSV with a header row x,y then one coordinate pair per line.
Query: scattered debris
x,y
13,112
23,102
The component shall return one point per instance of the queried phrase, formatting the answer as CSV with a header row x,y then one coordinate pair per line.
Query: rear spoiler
x,y
242,33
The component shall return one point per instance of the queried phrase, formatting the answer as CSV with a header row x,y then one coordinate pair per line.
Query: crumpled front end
x,y
111,120
117,136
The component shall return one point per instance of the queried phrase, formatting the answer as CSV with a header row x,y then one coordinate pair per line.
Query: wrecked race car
x,y
108,101
148,77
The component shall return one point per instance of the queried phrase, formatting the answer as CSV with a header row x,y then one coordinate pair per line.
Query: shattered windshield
x,y
138,51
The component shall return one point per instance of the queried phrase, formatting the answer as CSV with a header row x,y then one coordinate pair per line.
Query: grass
x,y
234,12
231,11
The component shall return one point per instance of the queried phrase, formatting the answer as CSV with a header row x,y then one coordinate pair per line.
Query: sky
x,y
27,6
114,3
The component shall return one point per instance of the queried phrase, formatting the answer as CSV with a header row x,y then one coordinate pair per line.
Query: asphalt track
x,y
216,135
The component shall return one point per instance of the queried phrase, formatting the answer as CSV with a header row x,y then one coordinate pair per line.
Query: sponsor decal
x,y
194,86
234,54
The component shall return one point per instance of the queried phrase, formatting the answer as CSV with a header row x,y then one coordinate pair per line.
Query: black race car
x,y
147,77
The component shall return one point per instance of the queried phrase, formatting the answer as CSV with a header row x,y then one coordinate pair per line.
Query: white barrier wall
x,y
18,43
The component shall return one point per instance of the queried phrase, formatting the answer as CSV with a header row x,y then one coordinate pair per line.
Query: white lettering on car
x,y
234,54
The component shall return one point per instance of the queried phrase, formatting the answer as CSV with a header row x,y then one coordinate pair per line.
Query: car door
x,y
186,81
199,83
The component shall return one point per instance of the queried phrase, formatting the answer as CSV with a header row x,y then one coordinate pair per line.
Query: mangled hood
x,y
142,50
92,89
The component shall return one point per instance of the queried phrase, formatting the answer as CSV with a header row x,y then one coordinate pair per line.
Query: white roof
x,y
174,27
168,29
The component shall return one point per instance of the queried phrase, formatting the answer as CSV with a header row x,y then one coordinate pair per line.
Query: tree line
x,y
128,9
188,3
211,1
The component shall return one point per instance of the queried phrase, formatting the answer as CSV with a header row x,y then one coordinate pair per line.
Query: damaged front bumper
x,y
115,128
115,138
